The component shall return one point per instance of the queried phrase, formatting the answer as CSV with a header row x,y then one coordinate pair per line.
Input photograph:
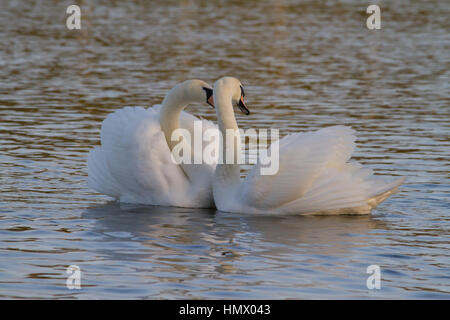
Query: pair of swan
x,y
134,162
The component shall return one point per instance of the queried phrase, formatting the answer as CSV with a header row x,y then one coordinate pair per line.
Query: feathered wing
x,y
314,175
134,159
134,162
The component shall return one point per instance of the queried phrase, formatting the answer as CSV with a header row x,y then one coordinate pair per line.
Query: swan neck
x,y
226,172
172,106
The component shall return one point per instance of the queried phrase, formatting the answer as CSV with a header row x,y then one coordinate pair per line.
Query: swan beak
x,y
209,96
242,106
210,101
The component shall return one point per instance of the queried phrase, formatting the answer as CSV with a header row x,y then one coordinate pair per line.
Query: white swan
x,y
314,175
134,164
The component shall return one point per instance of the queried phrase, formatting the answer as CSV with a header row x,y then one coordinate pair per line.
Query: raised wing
x,y
303,157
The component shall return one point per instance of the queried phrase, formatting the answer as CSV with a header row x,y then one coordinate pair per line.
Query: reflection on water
x,y
305,65
211,253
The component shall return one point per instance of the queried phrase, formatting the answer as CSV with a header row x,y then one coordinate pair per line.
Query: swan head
x,y
197,91
234,88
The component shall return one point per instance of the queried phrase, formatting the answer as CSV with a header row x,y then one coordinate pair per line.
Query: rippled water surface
x,y
305,65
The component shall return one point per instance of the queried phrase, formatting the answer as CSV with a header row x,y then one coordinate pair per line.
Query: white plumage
x,y
315,175
134,163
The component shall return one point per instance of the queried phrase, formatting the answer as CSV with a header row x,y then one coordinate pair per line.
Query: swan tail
x,y
383,191
348,190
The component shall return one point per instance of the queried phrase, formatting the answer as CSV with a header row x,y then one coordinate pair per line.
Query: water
x,y
305,65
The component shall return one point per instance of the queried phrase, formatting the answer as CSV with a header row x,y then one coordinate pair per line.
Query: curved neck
x,y
172,105
227,172
169,118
